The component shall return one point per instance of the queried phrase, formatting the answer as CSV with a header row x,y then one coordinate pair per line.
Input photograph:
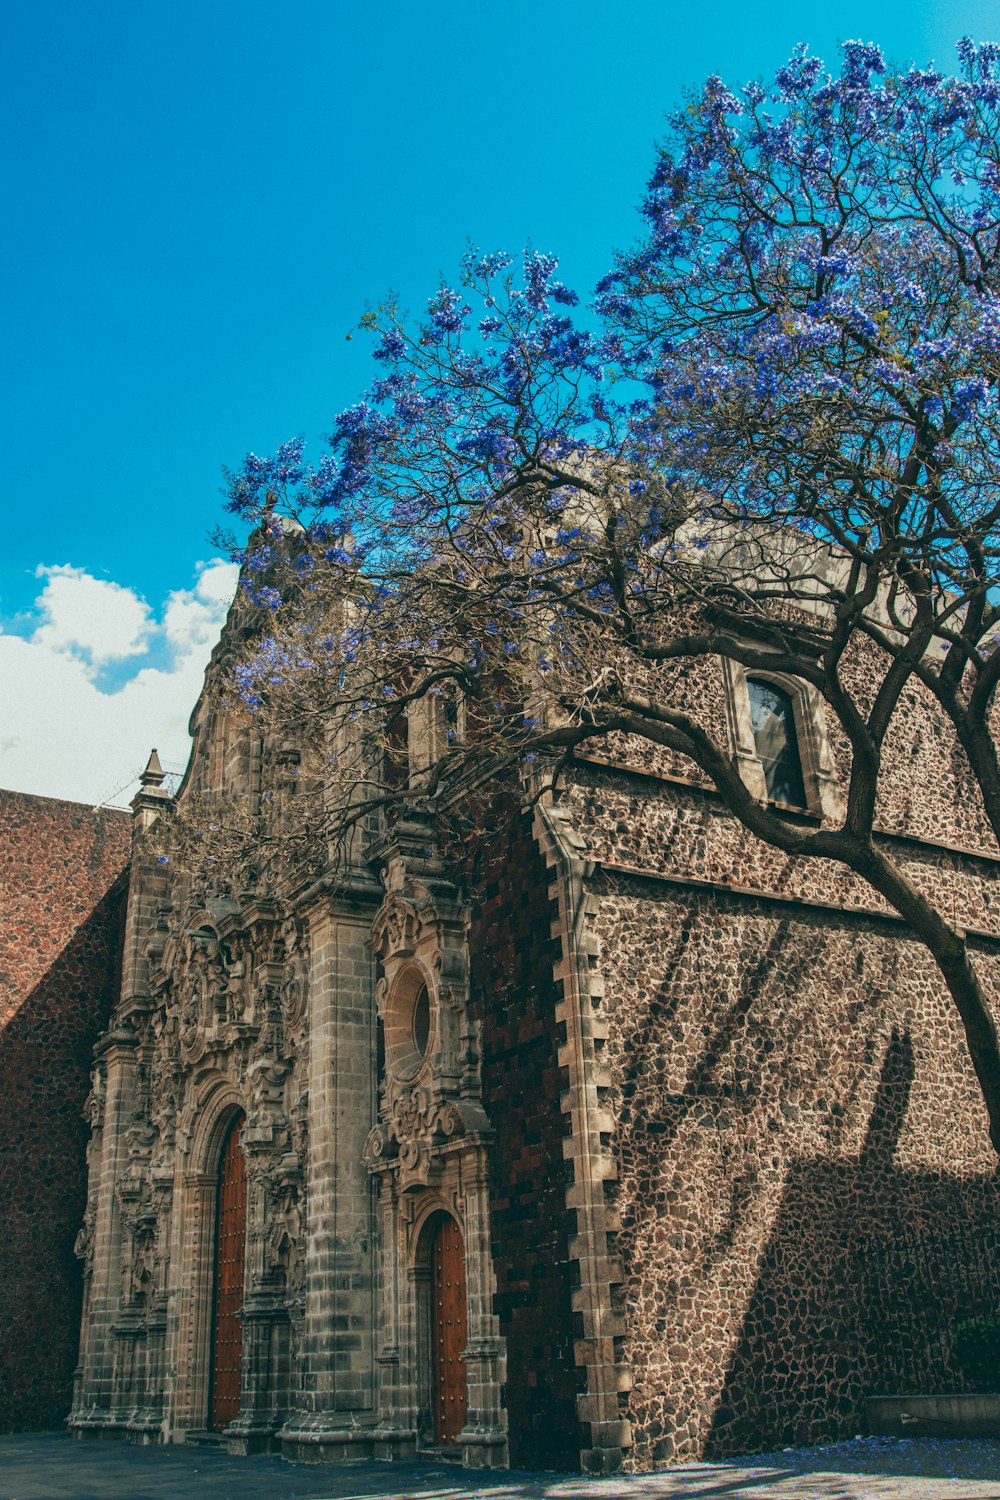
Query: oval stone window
x,y
408,1024
421,1021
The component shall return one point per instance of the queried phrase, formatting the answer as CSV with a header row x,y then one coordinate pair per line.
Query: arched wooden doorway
x,y
449,1329
230,1256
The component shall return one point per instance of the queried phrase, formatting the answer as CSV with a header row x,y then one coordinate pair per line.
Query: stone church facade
x,y
618,1140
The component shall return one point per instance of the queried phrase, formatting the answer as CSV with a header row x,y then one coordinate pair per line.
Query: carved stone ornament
x,y
420,1125
430,1092
377,1147
166,1081
83,1245
410,1113
293,1000
93,1109
266,1081
143,1260
396,929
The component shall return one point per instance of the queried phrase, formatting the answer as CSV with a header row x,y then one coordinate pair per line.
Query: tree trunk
x,y
981,752
949,951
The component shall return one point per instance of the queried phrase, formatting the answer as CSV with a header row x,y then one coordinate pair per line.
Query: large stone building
x,y
618,1139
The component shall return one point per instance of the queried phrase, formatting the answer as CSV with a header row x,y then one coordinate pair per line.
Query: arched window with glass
x,y
772,714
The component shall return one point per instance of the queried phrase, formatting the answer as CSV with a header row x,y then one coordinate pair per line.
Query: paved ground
x,y
51,1466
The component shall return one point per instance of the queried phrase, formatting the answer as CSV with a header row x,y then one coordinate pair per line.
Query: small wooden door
x,y
451,1398
230,1254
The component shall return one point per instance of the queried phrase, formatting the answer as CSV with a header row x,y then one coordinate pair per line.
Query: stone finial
x,y
154,773
152,796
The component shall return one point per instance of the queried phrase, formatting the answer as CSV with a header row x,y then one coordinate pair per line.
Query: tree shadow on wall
x,y
45,1060
867,1268
652,1115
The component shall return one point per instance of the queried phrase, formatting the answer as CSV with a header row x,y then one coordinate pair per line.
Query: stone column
x,y
484,1438
149,1429
264,1314
336,1403
117,1052
264,1323
189,1352
396,1433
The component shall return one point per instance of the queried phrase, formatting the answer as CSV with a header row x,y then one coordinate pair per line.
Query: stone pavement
x,y
51,1466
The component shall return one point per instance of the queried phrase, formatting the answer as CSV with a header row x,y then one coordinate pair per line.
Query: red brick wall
x,y
515,996
60,900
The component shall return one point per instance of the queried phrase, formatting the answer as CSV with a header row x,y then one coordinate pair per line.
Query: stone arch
x,y
228,1281
434,1354
449,1315
217,1100
429,1205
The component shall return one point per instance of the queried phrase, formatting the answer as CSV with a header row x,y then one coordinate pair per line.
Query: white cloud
x,y
191,617
91,617
64,735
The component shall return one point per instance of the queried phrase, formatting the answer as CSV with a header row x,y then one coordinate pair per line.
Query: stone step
x,y
441,1455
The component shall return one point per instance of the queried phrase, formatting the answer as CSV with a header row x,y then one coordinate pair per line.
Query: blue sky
x,y
201,198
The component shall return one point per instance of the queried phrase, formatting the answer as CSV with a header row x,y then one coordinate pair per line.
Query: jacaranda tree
x,y
773,441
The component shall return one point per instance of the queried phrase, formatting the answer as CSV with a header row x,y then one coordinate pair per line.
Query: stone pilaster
x,y
201,1193
336,1412
265,1373
397,1426
147,887
484,1437
116,1056
263,1401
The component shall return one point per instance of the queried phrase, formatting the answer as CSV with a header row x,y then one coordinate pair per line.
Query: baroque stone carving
x,y
93,1108
430,1095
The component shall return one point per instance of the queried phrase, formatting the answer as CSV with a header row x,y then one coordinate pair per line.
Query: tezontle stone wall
x,y
800,1190
60,897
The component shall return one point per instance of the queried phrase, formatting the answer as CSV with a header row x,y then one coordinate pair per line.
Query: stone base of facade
x,y
139,1427
601,1460
325,1439
144,1429
484,1450
103,1432
609,1459
394,1444
244,1437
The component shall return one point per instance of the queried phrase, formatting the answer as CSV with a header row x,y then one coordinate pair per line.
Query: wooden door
x,y
230,1254
451,1397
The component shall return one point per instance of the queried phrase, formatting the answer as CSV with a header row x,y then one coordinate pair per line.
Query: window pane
x,y
450,713
777,745
421,1020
